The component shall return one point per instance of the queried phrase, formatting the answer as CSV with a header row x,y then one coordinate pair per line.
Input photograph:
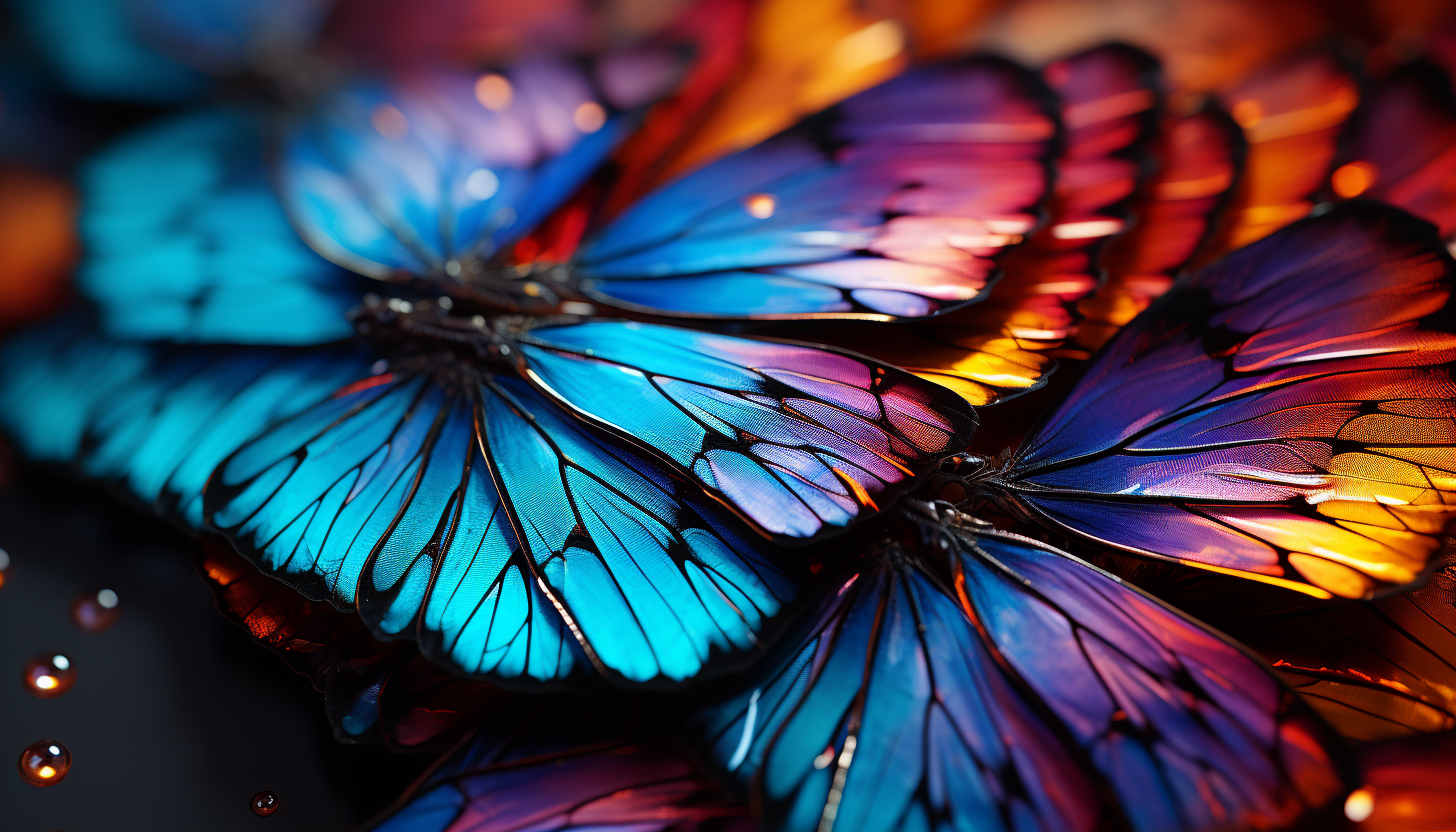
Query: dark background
x,y
177,717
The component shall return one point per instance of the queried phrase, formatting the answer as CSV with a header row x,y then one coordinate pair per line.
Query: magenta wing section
x,y
1285,414
798,439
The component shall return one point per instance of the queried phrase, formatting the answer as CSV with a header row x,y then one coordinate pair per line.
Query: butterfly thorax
x,y
398,328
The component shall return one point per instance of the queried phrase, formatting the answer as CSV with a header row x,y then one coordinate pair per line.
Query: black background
x,y
177,717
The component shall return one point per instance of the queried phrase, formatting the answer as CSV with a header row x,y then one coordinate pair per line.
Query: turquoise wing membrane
x,y
893,204
186,241
799,439
154,420
979,680
469,512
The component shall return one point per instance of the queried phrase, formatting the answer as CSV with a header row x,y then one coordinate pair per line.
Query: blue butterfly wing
x,y
186,241
422,174
1284,414
390,465
798,439
892,204
1189,730
889,712
155,420
1021,694
387,498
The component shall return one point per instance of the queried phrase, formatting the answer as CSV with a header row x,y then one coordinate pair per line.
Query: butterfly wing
x,y
799,439
1198,157
427,173
373,691
1283,415
155,420
1402,146
561,766
889,205
1031,692
388,498
186,241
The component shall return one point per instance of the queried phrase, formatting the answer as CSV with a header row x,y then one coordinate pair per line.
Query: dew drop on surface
x,y
44,763
48,675
265,803
95,610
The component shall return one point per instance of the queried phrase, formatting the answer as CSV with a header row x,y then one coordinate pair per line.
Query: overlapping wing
x,y
1190,731
388,497
1293,113
1198,157
185,241
155,421
1403,146
799,439
1029,692
1284,415
373,691
430,174
889,205
544,769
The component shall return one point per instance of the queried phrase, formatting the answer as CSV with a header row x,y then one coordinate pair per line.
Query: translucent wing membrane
x,y
889,205
799,439
431,173
1189,731
539,768
890,712
1403,146
388,497
1198,156
186,241
1292,114
1284,415
1374,670
1022,694
154,420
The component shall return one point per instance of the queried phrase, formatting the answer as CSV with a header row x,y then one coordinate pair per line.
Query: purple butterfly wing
x,y
798,439
892,204
1285,414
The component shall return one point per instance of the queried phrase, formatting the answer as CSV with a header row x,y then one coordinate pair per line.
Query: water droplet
x,y
95,610
4,565
265,803
49,675
44,763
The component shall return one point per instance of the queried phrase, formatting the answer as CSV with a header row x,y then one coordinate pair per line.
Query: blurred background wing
x,y
891,204
1284,415
185,241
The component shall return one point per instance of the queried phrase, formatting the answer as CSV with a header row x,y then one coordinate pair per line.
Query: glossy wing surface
x,y
1284,415
889,712
799,439
387,497
1190,731
431,175
380,498
186,241
889,205
155,421
1198,157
